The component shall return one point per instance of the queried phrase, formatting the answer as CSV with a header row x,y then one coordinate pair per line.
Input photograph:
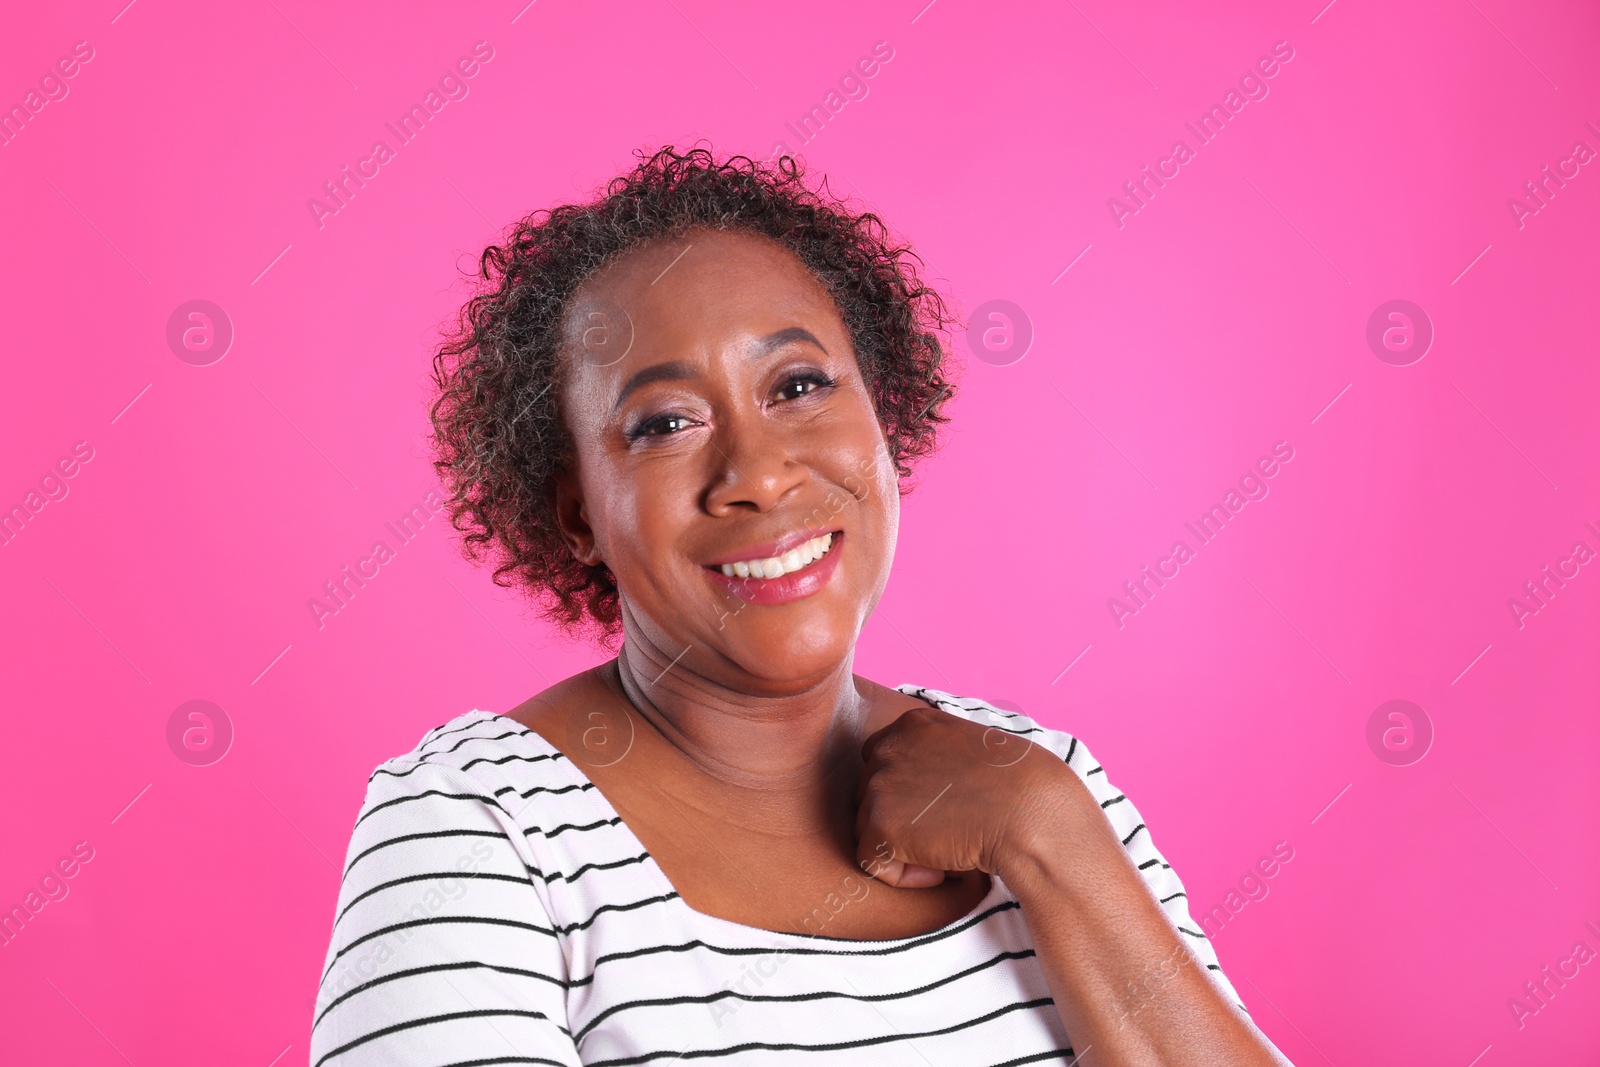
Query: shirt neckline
x,y
997,896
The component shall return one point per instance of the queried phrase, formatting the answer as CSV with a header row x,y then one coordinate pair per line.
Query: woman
x,y
681,415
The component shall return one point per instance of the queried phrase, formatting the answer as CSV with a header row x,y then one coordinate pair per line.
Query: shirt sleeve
x,y
1130,828
442,951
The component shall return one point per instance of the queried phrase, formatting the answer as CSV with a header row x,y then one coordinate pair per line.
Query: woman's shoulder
x,y
473,751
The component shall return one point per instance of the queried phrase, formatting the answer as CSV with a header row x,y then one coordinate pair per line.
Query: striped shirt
x,y
495,909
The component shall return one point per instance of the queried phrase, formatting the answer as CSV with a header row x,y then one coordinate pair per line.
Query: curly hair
x,y
499,439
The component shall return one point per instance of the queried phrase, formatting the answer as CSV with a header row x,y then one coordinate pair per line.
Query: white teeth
x,y
802,555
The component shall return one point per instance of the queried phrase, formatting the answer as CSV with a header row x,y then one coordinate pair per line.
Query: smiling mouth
x,y
795,559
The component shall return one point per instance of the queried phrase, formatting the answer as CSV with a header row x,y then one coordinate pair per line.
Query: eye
x,y
655,427
815,379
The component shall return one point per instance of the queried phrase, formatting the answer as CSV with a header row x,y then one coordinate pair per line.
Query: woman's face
x,y
706,432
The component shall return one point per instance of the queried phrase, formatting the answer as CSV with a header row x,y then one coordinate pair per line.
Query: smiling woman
x,y
681,417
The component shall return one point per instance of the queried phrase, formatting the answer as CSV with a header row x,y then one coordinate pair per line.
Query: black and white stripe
x,y
496,910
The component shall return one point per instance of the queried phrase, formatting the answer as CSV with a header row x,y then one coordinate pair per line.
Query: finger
x,y
872,741
903,875
915,876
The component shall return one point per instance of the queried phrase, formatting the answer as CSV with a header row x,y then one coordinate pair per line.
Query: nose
x,y
755,467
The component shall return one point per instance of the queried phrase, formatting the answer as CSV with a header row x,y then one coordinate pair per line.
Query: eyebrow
x,y
678,370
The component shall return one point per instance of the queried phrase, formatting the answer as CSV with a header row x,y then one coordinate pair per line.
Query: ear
x,y
572,519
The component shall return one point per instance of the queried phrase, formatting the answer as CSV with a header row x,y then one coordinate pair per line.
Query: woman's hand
x,y
942,793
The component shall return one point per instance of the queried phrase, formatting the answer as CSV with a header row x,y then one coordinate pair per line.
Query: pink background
x,y
1229,313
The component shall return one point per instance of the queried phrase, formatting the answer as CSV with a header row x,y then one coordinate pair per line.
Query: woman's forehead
x,y
674,290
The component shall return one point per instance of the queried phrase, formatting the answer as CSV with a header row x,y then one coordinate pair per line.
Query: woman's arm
x,y
1129,989
944,793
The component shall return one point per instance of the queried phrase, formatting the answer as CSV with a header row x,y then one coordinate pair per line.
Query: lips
x,y
792,585
768,549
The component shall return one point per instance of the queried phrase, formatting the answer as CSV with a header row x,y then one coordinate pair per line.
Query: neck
x,y
791,756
